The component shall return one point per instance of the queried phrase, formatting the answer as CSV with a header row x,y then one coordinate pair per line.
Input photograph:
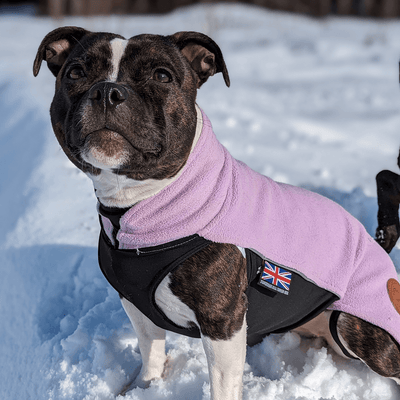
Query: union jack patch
x,y
275,278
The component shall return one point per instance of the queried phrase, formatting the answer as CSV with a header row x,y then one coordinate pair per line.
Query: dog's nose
x,y
108,93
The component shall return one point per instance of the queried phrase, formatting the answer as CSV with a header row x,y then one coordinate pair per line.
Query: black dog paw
x,y
387,237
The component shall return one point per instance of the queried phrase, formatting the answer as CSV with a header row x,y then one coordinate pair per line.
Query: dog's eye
x,y
76,73
163,76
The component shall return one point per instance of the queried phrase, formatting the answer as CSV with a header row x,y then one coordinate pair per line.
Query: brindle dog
x,y
124,113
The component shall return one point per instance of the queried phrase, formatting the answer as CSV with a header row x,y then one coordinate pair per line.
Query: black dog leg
x,y
388,188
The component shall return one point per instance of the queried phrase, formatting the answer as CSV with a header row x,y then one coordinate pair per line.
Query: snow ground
x,y
312,103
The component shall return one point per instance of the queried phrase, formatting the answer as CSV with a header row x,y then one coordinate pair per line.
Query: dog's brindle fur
x,y
124,113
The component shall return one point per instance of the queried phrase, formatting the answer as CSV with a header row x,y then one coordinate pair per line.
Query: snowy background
x,y
312,103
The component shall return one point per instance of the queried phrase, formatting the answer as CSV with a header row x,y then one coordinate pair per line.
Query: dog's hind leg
x,y
352,337
320,327
371,344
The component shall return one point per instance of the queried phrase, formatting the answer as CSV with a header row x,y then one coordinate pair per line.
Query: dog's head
x,y
127,106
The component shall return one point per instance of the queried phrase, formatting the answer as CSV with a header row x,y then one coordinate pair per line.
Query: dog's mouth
x,y
105,149
108,149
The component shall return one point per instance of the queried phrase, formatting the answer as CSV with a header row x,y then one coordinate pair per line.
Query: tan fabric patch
x,y
393,288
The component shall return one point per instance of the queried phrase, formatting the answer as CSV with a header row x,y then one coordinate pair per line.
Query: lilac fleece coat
x,y
223,200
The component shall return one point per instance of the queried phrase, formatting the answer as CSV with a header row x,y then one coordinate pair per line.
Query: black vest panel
x,y
273,312
137,274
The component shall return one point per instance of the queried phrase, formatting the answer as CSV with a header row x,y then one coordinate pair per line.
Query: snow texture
x,y
313,103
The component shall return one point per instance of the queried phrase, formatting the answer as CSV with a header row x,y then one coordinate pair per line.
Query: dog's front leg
x,y
226,360
151,340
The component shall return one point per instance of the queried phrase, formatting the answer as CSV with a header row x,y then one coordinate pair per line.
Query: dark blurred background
x,y
60,8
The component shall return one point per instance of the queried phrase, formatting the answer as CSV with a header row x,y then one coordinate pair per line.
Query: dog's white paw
x,y
144,382
131,383
140,381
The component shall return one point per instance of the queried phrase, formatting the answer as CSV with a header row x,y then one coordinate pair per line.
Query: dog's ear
x,y
203,54
56,46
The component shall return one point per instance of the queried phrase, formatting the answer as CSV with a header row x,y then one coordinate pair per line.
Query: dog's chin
x,y
105,149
